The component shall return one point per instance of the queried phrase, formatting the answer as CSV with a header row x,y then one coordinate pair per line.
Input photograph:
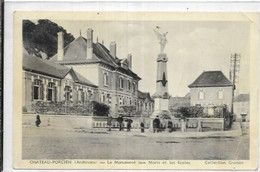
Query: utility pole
x,y
233,75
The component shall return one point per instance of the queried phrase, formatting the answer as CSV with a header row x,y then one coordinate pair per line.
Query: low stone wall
x,y
62,121
206,124
101,122
74,121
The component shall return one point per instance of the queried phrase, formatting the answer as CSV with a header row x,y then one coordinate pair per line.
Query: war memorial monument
x,y
161,96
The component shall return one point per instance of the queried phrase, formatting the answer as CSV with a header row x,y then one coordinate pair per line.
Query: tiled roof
x,y
241,98
144,95
46,67
83,80
75,52
211,79
36,64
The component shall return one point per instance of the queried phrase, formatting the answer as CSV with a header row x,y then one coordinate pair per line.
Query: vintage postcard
x,y
135,90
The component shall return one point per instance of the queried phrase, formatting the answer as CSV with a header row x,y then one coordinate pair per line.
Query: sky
x,y
193,47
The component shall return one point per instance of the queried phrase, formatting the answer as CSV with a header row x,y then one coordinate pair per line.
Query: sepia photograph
x,y
136,91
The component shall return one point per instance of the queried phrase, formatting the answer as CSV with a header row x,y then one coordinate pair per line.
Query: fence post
x,y
183,125
199,129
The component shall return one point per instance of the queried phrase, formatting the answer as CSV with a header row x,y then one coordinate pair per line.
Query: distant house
x,y
211,88
242,107
49,82
145,105
177,102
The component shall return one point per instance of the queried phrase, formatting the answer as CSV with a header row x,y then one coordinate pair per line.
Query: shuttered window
x,y
220,94
105,79
37,90
67,93
81,96
50,91
121,83
129,85
201,95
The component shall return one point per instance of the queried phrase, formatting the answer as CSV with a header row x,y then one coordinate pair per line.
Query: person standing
x,y
142,127
38,120
120,120
156,124
109,122
170,126
129,125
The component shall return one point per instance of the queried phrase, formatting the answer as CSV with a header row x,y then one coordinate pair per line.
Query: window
x,y
121,83
220,94
104,98
108,99
133,87
201,95
37,90
51,94
120,101
88,95
129,85
80,96
105,79
67,94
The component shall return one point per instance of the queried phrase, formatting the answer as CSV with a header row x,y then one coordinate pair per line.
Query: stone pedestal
x,y
154,115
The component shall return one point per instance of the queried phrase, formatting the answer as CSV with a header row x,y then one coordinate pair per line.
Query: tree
x,y
42,37
129,110
100,109
190,112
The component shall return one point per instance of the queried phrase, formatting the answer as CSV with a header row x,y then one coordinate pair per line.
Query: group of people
x,y
157,126
120,120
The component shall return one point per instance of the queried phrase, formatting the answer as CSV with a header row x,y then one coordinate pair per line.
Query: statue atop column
x,y
162,38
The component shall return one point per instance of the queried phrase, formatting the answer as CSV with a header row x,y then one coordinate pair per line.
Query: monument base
x,y
160,114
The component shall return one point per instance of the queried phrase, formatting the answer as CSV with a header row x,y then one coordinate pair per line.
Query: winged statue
x,y
162,38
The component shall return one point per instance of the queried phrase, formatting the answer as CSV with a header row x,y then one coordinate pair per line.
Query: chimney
x,y
60,50
129,59
113,49
89,43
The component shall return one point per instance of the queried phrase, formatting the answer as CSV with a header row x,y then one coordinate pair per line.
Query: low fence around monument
x,y
73,121
101,122
206,124
77,121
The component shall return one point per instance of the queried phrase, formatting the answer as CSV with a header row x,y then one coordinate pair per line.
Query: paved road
x,y
44,143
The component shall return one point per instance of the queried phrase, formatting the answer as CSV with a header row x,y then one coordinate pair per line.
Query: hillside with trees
x,y
40,39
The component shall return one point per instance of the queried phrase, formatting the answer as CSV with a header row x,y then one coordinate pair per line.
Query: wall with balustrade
x,y
77,121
